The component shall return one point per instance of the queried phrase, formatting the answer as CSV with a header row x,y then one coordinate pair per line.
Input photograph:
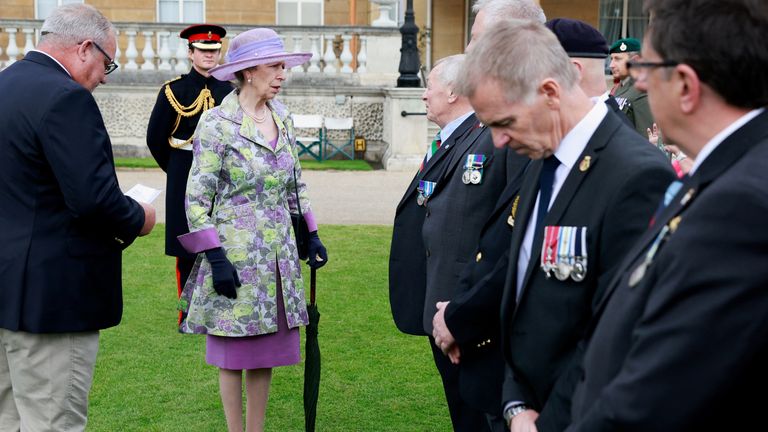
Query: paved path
x,y
338,197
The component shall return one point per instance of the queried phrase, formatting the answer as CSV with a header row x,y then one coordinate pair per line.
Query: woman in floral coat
x,y
245,292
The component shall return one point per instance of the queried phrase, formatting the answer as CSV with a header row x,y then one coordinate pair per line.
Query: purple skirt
x,y
257,352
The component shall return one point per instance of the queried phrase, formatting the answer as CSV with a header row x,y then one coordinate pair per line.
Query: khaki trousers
x,y
45,380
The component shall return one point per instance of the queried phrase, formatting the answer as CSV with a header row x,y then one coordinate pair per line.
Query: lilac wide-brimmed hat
x,y
256,47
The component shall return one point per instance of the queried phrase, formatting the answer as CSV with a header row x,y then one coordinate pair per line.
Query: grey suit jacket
x,y
457,212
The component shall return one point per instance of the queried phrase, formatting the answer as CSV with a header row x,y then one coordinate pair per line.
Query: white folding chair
x,y
311,145
339,137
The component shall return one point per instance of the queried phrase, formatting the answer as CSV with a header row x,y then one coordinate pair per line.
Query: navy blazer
x,y
683,345
65,220
472,314
613,195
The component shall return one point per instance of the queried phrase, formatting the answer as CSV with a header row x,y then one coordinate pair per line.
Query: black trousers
x,y
183,269
463,417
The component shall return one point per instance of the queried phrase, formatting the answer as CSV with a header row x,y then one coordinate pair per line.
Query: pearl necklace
x,y
256,118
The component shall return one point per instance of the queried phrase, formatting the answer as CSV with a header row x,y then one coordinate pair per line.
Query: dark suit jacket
x,y
686,347
65,220
176,162
457,212
407,257
472,315
614,198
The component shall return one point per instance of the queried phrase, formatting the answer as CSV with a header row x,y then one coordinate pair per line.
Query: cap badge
x,y
210,35
623,46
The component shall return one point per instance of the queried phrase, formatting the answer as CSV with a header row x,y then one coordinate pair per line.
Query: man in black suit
x,y
680,340
598,183
65,223
178,108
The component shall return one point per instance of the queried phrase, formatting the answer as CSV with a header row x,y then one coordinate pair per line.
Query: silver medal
x,y
579,271
562,271
465,177
420,200
475,177
637,275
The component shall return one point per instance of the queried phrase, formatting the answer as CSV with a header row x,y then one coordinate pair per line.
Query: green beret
x,y
625,45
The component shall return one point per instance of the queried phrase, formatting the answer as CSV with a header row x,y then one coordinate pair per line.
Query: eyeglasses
x,y
635,67
109,67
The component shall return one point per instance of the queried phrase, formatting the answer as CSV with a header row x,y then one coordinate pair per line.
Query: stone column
x,y
406,137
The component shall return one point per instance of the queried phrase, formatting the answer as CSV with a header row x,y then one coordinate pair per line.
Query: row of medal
x,y
564,252
473,174
473,169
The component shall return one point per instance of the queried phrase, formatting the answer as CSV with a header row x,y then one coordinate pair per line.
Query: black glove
x,y
318,256
223,272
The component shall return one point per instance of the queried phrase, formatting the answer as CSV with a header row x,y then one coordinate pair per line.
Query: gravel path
x,y
338,197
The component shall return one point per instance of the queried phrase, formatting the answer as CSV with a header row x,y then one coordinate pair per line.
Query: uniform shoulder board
x,y
172,80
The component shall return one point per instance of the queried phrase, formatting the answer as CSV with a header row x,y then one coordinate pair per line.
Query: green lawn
x,y
151,378
340,165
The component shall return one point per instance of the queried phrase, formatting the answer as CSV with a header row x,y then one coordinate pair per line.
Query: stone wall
x,y
126,110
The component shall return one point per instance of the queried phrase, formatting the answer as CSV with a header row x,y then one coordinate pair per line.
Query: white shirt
x,y
446,132
716,140
568,153
45,53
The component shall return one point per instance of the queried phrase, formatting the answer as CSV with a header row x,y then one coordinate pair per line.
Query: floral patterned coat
x,y
248,190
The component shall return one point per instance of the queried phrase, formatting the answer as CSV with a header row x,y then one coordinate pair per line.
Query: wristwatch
x,y
514,410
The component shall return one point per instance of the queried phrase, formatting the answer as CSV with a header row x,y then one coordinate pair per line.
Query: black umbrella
x,y
311,361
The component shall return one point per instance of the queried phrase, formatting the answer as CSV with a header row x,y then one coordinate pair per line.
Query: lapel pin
x,y
584,165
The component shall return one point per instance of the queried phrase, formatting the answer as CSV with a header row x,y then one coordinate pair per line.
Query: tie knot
x,y
551,163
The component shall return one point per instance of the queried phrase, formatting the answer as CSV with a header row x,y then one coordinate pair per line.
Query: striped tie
x,y
431,150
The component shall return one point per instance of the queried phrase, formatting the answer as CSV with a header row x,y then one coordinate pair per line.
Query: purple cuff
x,y
309,218
199,241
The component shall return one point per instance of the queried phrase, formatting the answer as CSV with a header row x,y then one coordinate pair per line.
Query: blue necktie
x,y
546,181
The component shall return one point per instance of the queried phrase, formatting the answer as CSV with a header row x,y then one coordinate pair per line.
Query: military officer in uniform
x,y
633,102
174,118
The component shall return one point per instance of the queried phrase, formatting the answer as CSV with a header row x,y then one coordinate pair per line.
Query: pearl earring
x,y
249,80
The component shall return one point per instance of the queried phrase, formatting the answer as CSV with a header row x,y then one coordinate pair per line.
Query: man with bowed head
x,y
65,223
589,192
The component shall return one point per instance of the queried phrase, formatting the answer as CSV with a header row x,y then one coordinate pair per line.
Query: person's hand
x,y
443,337
149,219
524,422
224,275
653,134
454,354
318,256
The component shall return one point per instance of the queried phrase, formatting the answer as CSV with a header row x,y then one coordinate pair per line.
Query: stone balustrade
x,y
338,52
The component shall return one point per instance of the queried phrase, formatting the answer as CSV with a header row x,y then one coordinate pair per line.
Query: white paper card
x,y
143,193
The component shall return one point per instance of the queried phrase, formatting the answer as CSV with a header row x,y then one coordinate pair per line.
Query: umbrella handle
x,y
312,287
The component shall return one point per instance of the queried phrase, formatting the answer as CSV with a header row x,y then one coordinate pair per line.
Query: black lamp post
x,y
409,51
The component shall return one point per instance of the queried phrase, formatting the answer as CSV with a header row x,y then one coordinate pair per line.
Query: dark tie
x,y
546,181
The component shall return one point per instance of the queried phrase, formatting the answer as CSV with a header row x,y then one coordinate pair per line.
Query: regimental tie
x,y
546,182
431,150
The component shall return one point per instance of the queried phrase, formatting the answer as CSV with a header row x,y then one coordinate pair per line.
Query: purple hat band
x,y
267,48
260,48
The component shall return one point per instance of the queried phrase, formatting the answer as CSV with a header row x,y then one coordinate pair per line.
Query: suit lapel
x,y
723,157
463,143
571,185
433,161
